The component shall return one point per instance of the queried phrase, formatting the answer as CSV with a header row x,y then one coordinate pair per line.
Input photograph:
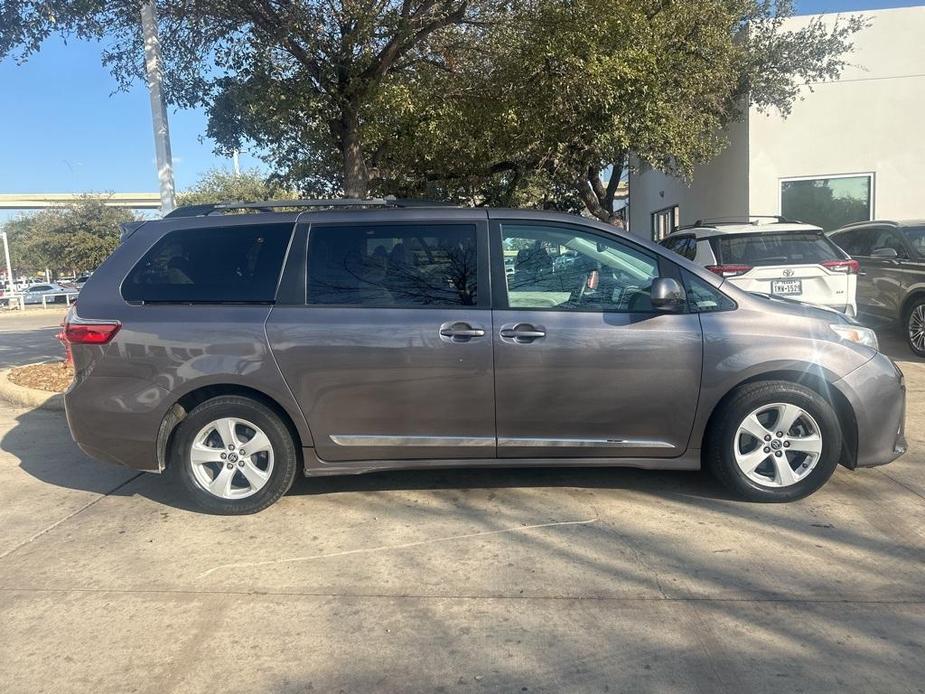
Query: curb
x,y
28,397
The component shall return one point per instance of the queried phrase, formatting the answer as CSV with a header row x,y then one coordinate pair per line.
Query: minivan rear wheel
x,y
232,455
914,326
774,441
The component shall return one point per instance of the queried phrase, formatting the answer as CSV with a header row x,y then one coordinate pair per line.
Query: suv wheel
x,y
774,441
232,455
914,325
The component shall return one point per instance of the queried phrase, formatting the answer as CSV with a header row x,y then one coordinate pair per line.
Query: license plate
x,y
787,287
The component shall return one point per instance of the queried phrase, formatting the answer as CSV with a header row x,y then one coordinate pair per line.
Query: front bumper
x,y
876,392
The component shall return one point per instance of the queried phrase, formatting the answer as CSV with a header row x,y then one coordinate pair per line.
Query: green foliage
x,y
516,102
219,185
78,237
563,91
299,61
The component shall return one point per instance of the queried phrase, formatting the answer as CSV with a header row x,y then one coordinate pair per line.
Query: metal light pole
x,y
9,266
154,69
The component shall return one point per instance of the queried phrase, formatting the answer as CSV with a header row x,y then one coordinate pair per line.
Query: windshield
x,y
788,248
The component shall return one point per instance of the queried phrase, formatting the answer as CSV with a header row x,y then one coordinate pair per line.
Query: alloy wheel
x,y
231,458
917,327
777,445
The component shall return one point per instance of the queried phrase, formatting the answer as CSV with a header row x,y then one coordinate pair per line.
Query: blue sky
x,y
63,129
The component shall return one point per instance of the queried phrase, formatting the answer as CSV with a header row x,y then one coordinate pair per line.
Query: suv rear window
x,y
786,248
393,265
237,264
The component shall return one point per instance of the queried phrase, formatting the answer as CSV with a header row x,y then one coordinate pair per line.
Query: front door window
x,y
570,270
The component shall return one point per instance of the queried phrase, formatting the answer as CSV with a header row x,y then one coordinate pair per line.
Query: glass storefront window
x,y
829,202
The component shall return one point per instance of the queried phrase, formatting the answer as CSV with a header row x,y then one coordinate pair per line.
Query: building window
x,y
828,201
665,221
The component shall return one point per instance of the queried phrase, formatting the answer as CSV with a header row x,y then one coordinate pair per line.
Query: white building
x,y
851,149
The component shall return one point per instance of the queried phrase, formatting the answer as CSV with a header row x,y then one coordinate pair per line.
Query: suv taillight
x,y
729,270
80,332
849,266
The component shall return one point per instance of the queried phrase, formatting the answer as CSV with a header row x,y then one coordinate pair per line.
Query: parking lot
x,y
477,580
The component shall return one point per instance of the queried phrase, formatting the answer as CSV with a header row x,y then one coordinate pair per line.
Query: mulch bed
x,y
54,377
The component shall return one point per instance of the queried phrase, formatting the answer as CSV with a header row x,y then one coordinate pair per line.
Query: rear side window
x,y
855,242
238,264
682,245
397,266
916,238
790,248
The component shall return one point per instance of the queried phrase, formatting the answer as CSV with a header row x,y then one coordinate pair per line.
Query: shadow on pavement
x,y
41,441
677,589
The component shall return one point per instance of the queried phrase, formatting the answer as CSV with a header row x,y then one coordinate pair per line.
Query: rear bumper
x,y
877,394
116,419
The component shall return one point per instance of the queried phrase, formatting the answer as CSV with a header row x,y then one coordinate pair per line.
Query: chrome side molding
x,y
374,440
526,442
435,441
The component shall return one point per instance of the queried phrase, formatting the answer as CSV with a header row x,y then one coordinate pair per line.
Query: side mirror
x,y
885,253
667,294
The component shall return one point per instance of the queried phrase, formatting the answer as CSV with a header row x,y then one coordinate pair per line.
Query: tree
x,y
320,62
566,91
519,102
75,238
218,186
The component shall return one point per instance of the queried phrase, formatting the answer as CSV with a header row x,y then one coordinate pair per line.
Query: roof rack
x,y
273,205
743,219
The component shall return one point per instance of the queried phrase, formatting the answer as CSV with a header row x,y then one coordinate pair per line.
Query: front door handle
x,y
522,333
460,331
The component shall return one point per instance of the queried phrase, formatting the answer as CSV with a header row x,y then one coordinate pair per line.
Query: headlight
x,y
855,333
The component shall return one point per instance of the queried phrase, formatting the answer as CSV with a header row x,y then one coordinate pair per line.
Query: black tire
x,y
916,303
179,468
720,456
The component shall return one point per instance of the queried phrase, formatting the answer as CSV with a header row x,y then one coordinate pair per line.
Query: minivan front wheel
x,y
774,441
232,455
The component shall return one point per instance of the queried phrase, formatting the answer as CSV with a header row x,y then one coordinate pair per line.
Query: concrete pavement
x,y
26,338
480,580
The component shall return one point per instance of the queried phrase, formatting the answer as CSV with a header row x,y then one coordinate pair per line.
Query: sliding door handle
x,y
522,332
460,331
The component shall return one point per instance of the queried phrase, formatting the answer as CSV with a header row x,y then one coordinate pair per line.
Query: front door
x,y
390,357
881,280
584,366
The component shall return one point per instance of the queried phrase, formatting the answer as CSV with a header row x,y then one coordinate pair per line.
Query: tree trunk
x,y
598,199
356,174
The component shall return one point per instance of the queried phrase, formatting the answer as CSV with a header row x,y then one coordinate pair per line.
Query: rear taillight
x,y
729,270
80,332
849,266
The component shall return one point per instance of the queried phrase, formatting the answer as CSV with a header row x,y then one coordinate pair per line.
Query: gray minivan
x,y
233,351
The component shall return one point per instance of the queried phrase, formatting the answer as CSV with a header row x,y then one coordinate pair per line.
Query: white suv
x,y
779,257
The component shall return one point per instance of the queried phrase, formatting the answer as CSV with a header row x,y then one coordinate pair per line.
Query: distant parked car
x,y
891,287
780,258
33,293
81,281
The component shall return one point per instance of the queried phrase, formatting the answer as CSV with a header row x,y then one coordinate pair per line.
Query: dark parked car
x,y
891,285
233,352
